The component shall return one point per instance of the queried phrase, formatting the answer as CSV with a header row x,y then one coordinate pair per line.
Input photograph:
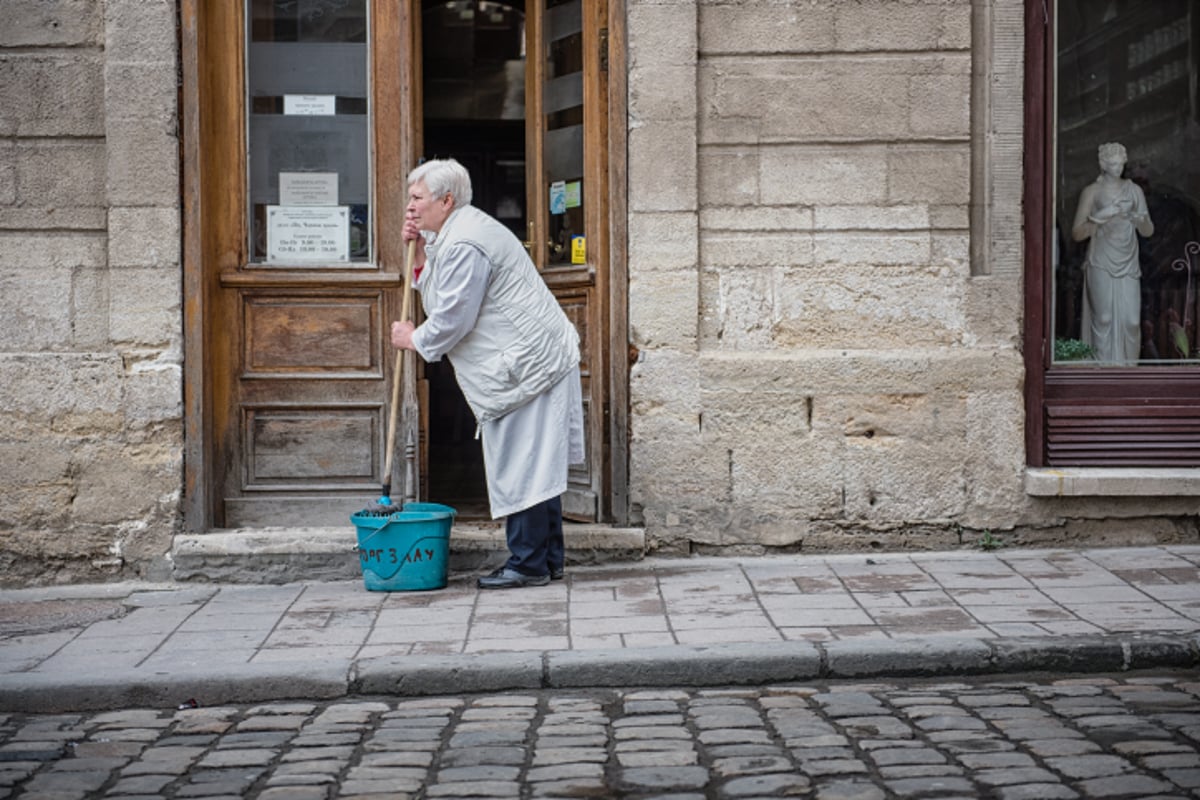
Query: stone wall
x,y
90,378
825,279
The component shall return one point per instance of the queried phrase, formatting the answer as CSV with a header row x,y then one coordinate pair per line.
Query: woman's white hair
x,y
444,176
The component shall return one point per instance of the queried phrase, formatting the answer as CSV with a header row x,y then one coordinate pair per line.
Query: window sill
x,y
1111,482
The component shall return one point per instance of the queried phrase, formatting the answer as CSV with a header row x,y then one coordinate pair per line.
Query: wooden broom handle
x,y
405,304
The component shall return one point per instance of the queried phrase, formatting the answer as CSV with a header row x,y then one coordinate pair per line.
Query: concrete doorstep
x,y
286,555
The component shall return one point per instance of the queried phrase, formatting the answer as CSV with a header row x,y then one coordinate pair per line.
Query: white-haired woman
x,y
515,356
1111,213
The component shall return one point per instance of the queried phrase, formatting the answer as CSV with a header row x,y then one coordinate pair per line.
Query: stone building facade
x,y
825,266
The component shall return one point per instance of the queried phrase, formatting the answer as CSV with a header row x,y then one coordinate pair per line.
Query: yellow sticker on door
x,y
578,250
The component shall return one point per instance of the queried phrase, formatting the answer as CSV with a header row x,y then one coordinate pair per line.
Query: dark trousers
x,y
535,538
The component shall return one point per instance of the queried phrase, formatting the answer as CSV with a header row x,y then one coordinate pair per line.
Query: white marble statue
x,y
1111,213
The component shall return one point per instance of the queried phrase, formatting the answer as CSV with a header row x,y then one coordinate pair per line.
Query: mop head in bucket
x,y
383,507
407,550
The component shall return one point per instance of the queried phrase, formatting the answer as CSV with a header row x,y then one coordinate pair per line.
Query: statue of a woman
x,y
1112,212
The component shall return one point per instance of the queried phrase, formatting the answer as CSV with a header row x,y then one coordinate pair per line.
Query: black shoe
x,y
505,578
557,573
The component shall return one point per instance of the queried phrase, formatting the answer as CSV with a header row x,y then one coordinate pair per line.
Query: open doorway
x,y
473,70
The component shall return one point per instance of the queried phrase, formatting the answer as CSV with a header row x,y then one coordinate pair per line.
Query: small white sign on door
x,y
308,188
322,105
308,234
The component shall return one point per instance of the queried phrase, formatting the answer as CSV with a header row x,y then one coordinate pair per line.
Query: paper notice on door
x,y
574,197
558,197
313,105
308,188
308,234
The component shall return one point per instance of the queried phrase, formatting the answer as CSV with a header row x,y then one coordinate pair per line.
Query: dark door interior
x,y
473,92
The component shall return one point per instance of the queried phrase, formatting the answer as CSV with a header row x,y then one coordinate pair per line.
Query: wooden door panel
x,y
318,447
299,334
580,501
309,398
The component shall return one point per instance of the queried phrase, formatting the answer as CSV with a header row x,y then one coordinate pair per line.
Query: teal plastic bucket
x,y
407,551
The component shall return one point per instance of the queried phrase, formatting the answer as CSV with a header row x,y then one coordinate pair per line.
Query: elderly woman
x,y
515,356
1112,212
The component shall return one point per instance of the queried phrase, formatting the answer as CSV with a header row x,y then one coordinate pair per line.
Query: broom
x,y
384,507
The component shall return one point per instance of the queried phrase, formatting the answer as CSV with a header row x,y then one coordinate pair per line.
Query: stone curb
x,y
739,664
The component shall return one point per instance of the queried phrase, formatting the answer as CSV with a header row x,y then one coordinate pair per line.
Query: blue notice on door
x,y
558,197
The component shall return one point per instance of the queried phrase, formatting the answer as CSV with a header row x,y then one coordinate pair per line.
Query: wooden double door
x,y
302,118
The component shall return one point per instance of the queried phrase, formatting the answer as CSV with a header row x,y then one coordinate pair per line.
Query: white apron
x,y
527,452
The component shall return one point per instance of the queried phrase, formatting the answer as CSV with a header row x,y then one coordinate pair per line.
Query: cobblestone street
x,y
1134,735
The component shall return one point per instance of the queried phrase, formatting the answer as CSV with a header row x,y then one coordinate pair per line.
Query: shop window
x,y
1113,233
1126,284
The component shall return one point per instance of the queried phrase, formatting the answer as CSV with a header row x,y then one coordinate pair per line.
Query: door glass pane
x,y
563,145
474,99
1127,183
308,132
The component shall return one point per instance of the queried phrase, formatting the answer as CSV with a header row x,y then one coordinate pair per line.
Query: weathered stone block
x,y
903,455
89,308
8,173
666,442
740,308
61,23
51,95
947,217
662,241
782,249
951,249
36,309
144,306
863,307
729,176
902,218
49,251
118,485
34,460
61,386
879,371
911,248
888,25
662,308
935,174
666,381
143,237
55,173
994,308
766,26
154,391
787,100
940,104
801,480
144,91
139,30
756,218
62,218
662,93
661,35
663,157
996,453
824,175
143,162
904,484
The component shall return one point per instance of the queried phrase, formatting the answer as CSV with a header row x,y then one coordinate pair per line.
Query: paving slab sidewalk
x,y
654,622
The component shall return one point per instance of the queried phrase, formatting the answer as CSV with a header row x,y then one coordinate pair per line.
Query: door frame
x,y
207,149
